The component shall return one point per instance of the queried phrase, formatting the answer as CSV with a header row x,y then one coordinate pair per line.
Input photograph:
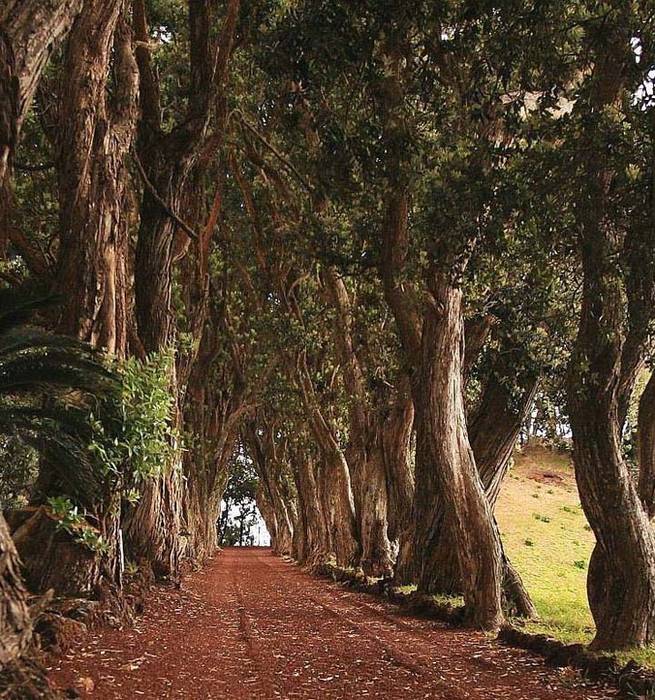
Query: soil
x,y
253,626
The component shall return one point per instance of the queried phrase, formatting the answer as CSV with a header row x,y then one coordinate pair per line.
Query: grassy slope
x,y
547,537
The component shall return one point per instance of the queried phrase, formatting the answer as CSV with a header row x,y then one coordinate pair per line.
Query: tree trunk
x,y
270,468
96,134
493,432
29,32
369,482
314,547
201,511
15,620
445,465
338,508
153,527
396,440
168,159
621,579
268,515
494,429
333,476
365,455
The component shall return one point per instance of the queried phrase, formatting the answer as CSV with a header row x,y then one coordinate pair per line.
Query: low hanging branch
x,y
162,203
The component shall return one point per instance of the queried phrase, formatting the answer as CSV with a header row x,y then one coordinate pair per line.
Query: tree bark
x,y
621,578
365,455
15,619
445,465
314,546
95,136
29,32
397,431
493,433
270,468
168,159
333,476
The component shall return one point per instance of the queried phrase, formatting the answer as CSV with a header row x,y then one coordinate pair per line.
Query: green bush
x,y
135,438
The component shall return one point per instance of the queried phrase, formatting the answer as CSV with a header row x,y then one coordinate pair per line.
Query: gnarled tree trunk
x,y
493,432
365,455
396,438
96,132
445,465
29,32
15,620
311,543
621,578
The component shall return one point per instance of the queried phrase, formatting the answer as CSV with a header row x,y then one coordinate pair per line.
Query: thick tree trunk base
x,y
26,680
623,609
153,526
50,558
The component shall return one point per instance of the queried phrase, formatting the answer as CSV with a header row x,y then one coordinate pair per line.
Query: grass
x,y
539,504
547,538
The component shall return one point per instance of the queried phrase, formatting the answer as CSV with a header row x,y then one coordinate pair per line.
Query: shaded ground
x,y
253,626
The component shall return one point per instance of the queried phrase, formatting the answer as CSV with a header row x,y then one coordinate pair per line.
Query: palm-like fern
x,y
49,385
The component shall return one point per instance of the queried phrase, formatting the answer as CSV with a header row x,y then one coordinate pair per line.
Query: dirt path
x,y
251,626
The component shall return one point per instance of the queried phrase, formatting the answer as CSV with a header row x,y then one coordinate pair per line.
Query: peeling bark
x,y
365,453
95,136
621,578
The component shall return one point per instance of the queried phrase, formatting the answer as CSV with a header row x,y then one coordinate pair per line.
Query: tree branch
x,y
156,196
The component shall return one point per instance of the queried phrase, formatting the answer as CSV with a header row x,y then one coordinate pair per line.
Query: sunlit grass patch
x,y
548,542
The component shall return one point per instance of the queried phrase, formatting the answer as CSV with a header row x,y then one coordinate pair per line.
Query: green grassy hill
x,y
547,537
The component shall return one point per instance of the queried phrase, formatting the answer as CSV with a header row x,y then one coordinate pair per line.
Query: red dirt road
x,y
251,626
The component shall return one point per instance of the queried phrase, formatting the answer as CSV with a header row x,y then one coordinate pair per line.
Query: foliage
x,y
140,441
76,524
35,364
20,467
239,511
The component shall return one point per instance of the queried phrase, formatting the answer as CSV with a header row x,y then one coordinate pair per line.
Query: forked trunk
x,y
29,32
493,432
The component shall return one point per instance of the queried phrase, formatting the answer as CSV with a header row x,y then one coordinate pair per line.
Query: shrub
x,y
134,434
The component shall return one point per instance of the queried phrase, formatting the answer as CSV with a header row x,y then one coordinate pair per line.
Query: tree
x,y
616,247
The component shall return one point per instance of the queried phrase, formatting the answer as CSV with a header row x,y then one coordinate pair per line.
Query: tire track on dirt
x,y
266,683
398,657
252,627
428,641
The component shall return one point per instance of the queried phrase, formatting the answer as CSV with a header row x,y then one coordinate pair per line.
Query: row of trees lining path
x,y
284,634
355,242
